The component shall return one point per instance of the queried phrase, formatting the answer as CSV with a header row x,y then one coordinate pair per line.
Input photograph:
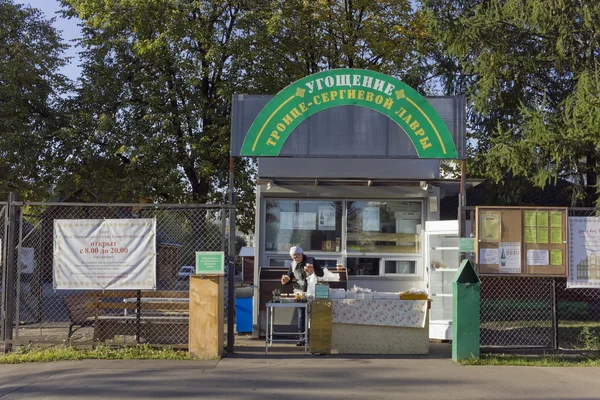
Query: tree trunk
x,y
591,180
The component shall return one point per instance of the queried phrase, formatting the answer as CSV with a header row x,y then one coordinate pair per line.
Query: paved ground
x,y
287,374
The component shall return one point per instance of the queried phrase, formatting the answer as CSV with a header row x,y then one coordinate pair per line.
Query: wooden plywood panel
x,y
206,332
509,230
320,327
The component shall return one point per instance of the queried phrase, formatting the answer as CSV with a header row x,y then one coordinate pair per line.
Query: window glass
x,y
362,266
327,263
279,262
383,226
400,267
312,225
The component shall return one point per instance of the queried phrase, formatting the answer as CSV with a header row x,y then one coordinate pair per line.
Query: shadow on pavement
x,y
253,347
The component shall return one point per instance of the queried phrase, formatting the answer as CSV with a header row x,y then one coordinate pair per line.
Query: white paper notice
x,y
99,254
301,220
584,252
510,257
488,256
286,220
370,219
538,257
326,218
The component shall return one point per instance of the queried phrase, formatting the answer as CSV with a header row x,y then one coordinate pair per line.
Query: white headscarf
x,y
296,250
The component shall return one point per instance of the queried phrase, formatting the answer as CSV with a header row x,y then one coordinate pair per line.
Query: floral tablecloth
x,y
406,313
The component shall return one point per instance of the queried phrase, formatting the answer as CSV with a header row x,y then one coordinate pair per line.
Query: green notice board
x,y
210,262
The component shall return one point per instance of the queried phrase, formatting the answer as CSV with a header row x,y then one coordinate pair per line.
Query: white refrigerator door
x,y
441,264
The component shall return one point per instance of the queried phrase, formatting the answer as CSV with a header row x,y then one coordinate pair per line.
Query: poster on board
x,y
510,257
584,252
100,254
489,226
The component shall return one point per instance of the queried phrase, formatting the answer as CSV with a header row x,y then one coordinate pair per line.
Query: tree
x,y
530,70
296,38
31,102
152,115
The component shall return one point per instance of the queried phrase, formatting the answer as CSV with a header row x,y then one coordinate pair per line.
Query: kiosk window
x,y
400,267
358,266
312,225
383,226
363,266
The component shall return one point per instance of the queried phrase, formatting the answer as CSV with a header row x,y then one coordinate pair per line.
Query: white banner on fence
x,y
104,254
584,252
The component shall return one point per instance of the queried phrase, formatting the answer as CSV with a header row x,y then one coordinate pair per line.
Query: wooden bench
x,y
152,316
79,312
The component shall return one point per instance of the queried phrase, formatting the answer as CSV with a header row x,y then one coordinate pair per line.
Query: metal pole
x,y
554,317
461,204
3,248
231,264
9,273
18,276
138,315
463,179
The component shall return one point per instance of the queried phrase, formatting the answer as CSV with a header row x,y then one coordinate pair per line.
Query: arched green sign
x,y
357,87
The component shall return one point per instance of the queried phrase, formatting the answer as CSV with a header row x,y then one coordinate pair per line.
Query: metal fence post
x,y
554,316
3,265
231,264
8,289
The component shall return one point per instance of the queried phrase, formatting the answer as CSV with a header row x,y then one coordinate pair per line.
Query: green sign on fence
x,y
466,245
210,263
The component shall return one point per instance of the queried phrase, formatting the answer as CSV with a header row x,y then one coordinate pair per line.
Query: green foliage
x,y
239,243
149,119
296,38
152,115
588,338
25,354
31,107
530,70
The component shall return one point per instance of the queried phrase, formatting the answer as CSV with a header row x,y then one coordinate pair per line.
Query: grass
x,y
534,361
25,354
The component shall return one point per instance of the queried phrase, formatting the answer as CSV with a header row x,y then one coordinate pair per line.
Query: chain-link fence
x,y
520,313
82,317
3,217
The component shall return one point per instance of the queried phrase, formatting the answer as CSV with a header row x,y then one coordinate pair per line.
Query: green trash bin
x,y
466,288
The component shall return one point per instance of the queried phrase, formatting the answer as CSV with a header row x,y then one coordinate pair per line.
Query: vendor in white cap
x,y
302,267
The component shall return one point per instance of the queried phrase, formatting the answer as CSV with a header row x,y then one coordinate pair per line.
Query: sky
x,y
69,30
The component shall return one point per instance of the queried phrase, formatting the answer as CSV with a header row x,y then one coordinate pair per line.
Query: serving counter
x,y
380,326
270,279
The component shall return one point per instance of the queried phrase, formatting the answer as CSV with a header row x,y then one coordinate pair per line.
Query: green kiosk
x,y
349,170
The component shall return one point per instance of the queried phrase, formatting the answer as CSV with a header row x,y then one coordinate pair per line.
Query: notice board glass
x,y
527,241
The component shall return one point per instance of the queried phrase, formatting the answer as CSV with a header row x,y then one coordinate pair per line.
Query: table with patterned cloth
x,y
380,326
